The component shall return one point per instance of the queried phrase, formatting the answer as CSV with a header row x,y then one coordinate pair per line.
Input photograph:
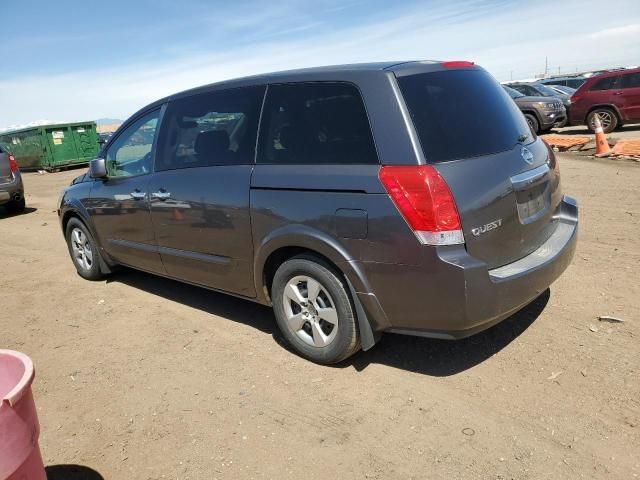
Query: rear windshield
x,y
462,114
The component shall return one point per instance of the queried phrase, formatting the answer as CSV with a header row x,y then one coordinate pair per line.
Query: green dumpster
x,y
51,147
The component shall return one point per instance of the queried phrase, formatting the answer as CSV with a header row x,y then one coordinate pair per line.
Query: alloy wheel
x,y
605,119
311,312
82,253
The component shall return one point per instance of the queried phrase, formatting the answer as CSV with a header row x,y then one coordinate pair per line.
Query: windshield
x,y
462,114
545,91
513,93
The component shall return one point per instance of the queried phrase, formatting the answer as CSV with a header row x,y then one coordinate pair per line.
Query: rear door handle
x,y
138,195
161,194
618,93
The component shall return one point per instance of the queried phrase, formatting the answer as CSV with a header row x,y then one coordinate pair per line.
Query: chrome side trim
x,y
204,257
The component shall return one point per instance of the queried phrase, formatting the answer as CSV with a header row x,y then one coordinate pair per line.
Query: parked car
x,y
573,82
11,186
542,113
104,137
613,96
538,89
562,89
390,197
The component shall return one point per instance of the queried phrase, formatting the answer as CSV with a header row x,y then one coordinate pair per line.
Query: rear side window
x,y
607,83
462,114
217,128
315,123
631,80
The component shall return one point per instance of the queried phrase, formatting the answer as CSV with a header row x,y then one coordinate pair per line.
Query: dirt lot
x,y
144,378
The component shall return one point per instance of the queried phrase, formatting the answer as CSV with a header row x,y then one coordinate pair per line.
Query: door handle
x,y
162,195
618,93
138,195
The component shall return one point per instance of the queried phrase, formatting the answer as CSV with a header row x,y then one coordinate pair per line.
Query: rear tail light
x,y
13,165
425,201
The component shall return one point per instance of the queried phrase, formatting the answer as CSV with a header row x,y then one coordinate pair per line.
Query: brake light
x,y
457,64
425,201
13,165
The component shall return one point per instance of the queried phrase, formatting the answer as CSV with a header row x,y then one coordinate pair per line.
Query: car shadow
x,y
442,358
71,472
4,213
214,303
439,358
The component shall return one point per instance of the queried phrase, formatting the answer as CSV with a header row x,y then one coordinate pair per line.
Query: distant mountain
x,y
108,121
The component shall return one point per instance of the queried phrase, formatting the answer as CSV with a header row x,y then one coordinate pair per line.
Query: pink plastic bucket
x,y
19,428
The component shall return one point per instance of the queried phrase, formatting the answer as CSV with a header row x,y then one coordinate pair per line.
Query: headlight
x,y
545,105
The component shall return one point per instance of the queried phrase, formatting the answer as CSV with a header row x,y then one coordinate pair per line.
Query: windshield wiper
x,y
522,137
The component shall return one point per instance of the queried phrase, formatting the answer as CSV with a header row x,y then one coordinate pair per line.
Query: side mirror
x,y
98,168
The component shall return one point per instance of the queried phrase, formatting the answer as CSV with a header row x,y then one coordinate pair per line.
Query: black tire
x,y
608,118
533,123
89,270
333,295
16,206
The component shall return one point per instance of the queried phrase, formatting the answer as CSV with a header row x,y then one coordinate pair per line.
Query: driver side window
x,y
131,153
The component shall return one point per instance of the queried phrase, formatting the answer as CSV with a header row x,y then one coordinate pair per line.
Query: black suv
x,y
355,200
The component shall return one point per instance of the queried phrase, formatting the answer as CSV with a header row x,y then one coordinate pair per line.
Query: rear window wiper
x,y
522,137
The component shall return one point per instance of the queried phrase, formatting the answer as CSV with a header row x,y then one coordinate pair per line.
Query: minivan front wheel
x,y
314,311
83,250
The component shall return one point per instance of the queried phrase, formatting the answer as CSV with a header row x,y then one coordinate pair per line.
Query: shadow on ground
x,y
441,358
5,213
422,355
222,305
71,472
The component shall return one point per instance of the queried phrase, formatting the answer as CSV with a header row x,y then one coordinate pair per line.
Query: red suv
x,y
614,96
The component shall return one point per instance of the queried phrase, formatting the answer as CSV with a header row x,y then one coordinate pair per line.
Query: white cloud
x,y
500,38
616,31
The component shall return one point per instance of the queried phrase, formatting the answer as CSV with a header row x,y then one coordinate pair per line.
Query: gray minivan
x,y
391,197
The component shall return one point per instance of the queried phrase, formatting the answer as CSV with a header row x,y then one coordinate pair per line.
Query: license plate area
x,y
533,202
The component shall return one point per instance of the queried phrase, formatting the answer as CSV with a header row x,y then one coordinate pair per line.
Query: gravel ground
x,y
144,378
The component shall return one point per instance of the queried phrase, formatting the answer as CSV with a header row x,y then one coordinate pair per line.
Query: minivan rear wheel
x,y
314,311
533,123
83,250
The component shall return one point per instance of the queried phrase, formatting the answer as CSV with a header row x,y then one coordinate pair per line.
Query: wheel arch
x,y
292,240
75,209
534,113
602,105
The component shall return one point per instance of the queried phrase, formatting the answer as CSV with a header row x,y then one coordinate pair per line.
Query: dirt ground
x,y
144,378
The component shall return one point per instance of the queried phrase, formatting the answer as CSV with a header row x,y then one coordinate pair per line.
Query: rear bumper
x,y
12,190
456,295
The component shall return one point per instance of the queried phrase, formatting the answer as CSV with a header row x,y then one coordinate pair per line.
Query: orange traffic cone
x,y
602,146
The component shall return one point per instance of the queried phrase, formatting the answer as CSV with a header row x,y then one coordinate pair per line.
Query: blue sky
x,y
67,60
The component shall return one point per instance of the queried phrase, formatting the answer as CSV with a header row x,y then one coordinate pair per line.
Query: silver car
x,y
11,186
